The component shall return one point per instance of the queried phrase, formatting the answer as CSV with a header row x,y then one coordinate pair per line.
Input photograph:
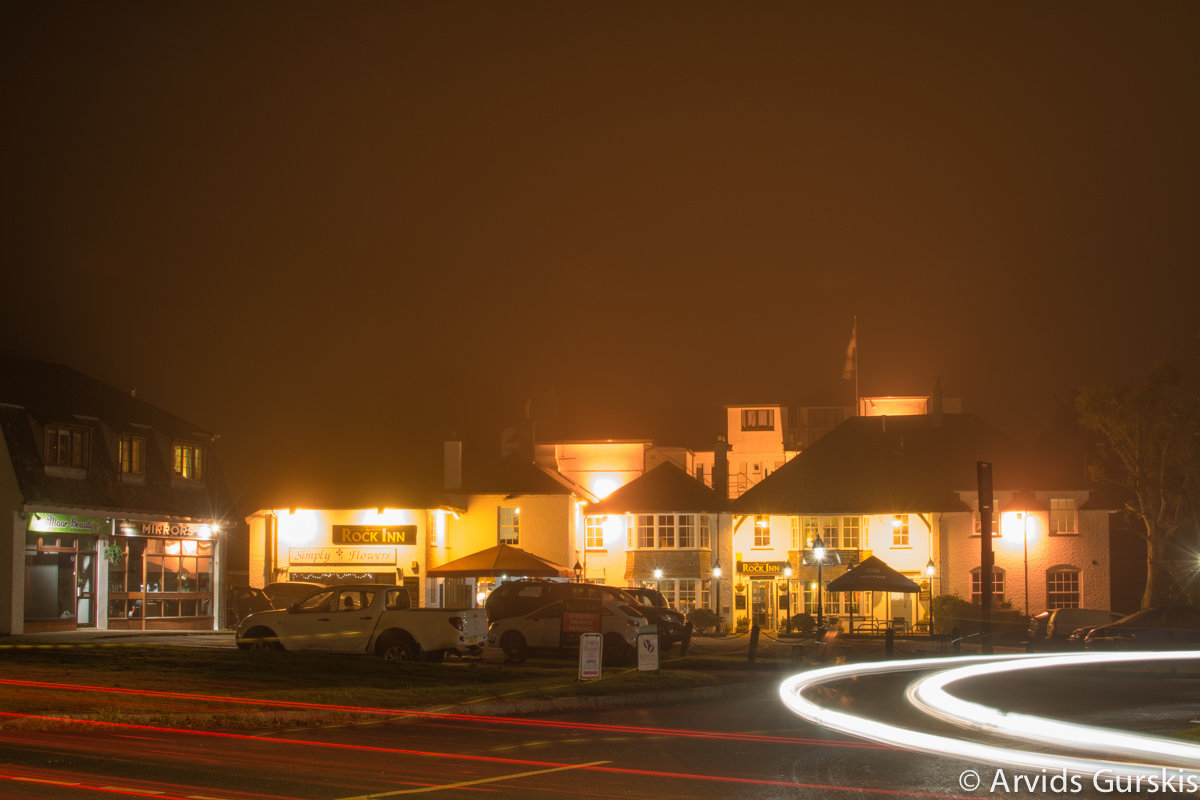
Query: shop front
x,y
162,575
762,593
60,570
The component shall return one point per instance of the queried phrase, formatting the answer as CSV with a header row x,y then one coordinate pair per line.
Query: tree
x,y
1149,448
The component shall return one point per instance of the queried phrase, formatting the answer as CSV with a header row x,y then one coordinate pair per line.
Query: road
x,y
747,745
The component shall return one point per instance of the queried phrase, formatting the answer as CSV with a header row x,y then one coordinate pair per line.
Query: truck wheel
x,y
260,639
399,647
514,647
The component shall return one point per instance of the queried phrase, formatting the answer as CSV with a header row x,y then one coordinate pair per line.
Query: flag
x,y
851,352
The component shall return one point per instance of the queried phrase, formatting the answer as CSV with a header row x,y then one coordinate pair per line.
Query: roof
x,y
34,394
664,488
872,575
503,559
873,465
514,474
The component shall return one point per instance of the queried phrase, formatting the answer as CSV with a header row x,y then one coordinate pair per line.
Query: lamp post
x,y
818,551
578,571
787,582
1025,551
930,569
716,592
658,573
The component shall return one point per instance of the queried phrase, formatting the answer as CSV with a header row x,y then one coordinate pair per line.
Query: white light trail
x,y
792,689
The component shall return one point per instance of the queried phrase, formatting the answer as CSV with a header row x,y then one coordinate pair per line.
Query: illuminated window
x,y
189,461
705,531
1062,515
645,527
997,585
666,530
508,525
762,531
66,447
831,532
900,530
131,455
687,530
851,526
995,522
594,532
758,419
794,540
1062,588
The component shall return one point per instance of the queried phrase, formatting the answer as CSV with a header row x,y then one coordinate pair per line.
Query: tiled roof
x,y
34,394
874,465
513,474
664,488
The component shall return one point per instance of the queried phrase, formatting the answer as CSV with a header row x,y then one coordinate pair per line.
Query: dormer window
x,y
131,455
758,419
189,461
66,446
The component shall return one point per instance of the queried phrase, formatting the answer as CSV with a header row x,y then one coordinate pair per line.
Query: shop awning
x,y
503,559
872,575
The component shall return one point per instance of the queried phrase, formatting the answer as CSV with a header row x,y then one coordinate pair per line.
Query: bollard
x,y
889,642
686,641
753,643
955,640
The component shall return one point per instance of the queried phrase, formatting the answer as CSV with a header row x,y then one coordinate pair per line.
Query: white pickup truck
x,y
365,618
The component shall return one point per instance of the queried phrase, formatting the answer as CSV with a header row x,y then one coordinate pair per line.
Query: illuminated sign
x,y
42,522
342,555
179,529
761,567
365,534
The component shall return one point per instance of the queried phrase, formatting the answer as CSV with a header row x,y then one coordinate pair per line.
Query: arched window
x,y
1062,587
997,585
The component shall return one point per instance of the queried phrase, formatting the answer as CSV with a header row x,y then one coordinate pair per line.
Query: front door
x,y
762,604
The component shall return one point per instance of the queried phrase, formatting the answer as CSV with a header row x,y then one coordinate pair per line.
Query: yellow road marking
x,y
132,789
439,788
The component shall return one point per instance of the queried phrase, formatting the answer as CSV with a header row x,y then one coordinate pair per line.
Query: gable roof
x,y
517,475
874,465
34,394
664,488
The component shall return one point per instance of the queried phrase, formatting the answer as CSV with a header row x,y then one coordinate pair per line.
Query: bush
x,y
704,620
804,623
743,625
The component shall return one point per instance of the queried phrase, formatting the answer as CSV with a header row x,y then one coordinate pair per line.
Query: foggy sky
x,y
330,231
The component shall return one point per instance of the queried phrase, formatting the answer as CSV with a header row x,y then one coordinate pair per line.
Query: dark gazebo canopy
x,y
494,562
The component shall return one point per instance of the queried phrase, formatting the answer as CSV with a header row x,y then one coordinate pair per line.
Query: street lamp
x,y
930,569
818,551
716,586
578,571
787,582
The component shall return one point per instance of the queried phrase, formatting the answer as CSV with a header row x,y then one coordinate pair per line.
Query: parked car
x,y
654,607
521,597
1062,622
1037,627
541,630
365,618
1165,628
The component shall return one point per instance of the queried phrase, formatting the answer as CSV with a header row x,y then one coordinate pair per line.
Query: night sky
x,y
333,232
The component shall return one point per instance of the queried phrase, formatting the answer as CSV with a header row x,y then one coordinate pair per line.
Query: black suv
x,y
654,607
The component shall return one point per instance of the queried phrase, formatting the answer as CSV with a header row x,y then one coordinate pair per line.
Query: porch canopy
x,y
503,559
872,575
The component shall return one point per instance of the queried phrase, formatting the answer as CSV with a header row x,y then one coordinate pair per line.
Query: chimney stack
x,y
720,473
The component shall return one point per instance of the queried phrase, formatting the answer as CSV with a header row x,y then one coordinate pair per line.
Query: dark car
x,y
521,597
654,607
1168,628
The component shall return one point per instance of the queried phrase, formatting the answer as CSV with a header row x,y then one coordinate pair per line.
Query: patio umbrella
x,y
872,575
503,559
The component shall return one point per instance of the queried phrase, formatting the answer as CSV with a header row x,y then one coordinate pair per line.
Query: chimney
x,y
935,403
720,472
452,465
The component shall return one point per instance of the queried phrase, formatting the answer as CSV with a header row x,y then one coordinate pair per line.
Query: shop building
x,y
117,509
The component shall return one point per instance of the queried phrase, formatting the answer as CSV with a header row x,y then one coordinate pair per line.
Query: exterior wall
x,y
599,467
547,527
753,455
1086,551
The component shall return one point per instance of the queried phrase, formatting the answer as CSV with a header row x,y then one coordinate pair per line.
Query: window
x,y
66,447
900,530
645,529
508,525
1062,515
131,455
997,586
850,532
687,530
995,522
1062,588
630,531
154,578
593,537
189,461
758,419
762,531
666,530
705,531
794,541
